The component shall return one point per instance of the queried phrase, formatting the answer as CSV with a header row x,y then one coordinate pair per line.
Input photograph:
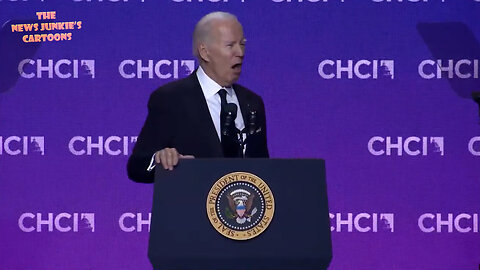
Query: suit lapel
x,y
198,108
243,101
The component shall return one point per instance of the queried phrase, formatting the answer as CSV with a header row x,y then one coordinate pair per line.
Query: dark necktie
x,y
223,98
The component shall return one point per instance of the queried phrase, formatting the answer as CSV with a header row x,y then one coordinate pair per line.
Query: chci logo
x,y
240,205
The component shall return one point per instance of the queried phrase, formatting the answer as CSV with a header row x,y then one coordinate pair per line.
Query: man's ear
x,y
203,52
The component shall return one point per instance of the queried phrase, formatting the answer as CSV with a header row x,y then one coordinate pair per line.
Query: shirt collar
x,y
209,86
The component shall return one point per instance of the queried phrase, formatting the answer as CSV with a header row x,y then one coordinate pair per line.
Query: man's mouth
x,y
237,66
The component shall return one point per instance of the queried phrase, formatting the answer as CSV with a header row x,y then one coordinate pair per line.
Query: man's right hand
x,y
169,157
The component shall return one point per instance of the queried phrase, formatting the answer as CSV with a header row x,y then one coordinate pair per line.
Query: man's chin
x,y
235,78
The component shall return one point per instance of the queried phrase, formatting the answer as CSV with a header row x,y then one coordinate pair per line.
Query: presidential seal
x,y
240,205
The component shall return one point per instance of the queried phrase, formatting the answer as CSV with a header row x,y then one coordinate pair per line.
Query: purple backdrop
x,y
379,89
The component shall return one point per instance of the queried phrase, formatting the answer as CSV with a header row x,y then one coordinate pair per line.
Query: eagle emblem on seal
x,y
240,203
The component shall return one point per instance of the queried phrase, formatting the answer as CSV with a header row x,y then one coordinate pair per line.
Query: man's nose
x,y
239,50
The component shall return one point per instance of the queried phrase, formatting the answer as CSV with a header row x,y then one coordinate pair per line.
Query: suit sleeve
x,y
155,135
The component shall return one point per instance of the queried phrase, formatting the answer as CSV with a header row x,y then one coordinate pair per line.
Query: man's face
x,y
225,50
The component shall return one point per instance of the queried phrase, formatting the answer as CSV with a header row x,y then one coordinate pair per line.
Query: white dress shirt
x,y
210,90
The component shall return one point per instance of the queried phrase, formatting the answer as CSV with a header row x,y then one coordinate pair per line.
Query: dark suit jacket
x,y
178,117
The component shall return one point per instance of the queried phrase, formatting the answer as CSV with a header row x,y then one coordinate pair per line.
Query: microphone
x,y
229,119
231,141
252,122
251,139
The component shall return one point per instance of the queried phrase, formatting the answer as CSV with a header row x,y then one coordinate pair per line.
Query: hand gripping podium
x,y
185,236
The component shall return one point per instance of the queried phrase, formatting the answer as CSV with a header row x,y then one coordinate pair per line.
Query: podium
x,y
182,236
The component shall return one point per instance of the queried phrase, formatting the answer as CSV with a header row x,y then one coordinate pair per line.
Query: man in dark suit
x,y
184,116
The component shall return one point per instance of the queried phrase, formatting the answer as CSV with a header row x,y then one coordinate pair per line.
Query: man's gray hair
x,y
204,26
